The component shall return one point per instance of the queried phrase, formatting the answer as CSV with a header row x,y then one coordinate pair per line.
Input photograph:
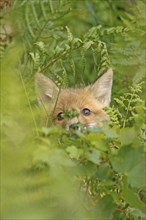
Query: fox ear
x,y
46,89
102,88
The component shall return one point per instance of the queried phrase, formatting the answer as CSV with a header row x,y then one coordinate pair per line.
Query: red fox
x,y
88,102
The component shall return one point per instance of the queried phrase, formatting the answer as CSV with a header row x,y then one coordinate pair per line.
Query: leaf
x,y
132,198
137,175
131,161
52,130
105,208
104,172
87,169
94,156
98,140
54,158
109,132
74,152
127,136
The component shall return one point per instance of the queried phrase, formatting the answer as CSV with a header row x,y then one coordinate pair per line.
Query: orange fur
x,y
79,99
93,97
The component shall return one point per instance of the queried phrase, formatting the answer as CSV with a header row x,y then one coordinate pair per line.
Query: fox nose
x,y
74,126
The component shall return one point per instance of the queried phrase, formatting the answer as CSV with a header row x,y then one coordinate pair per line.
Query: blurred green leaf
x,y
105,207
74,152
94,156
132,198
97,140
131,162
128,136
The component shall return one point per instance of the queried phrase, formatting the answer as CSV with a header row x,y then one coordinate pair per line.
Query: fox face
x,y
87,103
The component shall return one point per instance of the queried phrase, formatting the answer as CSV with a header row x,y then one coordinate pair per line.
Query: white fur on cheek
x,y
92,125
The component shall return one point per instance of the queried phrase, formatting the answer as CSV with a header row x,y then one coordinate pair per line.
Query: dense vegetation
x,y
45,172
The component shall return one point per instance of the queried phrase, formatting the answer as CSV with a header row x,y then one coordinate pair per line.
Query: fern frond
x,y
27,13
2,51
95,33
124,114
62,77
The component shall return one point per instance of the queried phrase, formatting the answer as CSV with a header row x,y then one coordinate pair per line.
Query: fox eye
x,y
86,111
60,116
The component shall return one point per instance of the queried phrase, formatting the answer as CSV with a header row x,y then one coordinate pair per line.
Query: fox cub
x,y
88,102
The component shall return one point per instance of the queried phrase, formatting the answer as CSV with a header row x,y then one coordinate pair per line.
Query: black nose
x,y
74,126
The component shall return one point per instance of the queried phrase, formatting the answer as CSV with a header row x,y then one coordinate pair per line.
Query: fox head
x,y
88,102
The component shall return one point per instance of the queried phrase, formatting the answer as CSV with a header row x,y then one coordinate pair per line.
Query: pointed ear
x,y
46,89
102,88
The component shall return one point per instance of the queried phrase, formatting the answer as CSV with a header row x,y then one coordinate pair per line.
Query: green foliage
x,y
71,114
127,107
109,167
52,173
